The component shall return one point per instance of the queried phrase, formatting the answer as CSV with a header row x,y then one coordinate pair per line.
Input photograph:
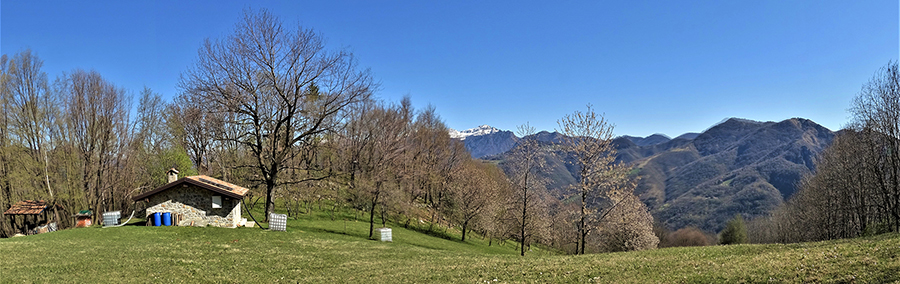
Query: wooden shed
x,y
35,215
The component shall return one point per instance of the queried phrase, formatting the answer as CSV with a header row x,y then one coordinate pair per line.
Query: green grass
x,y
727,182
316,249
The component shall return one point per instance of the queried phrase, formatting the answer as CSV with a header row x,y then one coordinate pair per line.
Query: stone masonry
x,y
194,205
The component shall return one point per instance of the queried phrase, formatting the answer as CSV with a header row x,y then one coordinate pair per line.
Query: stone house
x,y
196,201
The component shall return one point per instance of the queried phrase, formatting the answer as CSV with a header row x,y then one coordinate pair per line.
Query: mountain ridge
x,y
736,166
483,129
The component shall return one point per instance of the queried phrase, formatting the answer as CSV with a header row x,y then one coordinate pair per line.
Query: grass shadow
x,y
435,233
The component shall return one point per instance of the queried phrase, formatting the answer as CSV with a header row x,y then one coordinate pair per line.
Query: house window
x,y
216,201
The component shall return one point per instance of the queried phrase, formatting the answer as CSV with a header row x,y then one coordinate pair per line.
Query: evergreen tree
x,y
734,232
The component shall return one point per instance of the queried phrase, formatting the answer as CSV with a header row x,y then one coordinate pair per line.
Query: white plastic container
x,y
111,218
278,222
384,234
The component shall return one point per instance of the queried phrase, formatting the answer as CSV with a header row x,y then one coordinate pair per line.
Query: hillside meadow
x,y
316,249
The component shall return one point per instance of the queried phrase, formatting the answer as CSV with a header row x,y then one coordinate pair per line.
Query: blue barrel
x,y
155,217
167,219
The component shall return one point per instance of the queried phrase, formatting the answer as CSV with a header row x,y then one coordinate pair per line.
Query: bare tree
x,y
152,132
856,187
473,192
627,225
876,115
195,128
433,157
5,161
97,116
525,161
375,143
35,112
588,138
493,220
280,87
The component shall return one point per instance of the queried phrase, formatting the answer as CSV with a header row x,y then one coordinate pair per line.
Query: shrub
x,y
686,237
734,232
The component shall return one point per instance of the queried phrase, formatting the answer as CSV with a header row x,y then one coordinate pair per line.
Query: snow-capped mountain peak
x,y
477,131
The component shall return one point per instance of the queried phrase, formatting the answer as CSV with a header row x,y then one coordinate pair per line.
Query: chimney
x,y
172,175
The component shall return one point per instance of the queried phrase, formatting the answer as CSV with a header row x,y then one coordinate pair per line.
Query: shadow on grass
x,y
316,227
338,232
434,233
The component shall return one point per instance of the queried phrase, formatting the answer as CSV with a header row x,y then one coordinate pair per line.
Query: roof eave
x,y
191,181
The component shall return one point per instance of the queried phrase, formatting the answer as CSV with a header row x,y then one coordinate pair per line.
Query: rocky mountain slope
x,y
477,131
485,140
490,144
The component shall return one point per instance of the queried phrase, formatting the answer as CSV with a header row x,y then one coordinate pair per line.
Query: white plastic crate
x,y
278,222
384,234
111,218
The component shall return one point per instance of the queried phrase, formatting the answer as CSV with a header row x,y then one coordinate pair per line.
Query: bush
x,y
876,228
734,232
686,237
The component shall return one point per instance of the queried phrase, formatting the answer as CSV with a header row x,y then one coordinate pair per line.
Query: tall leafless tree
x,y
97,121
152,132
856,187
524,163
433,158
279,86
588,138
376,140
876,114
473,192
5,161
34,114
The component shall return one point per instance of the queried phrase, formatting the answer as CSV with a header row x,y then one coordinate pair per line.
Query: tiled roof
x,y
27,207
205,182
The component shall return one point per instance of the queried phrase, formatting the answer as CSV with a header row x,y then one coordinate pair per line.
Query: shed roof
x,y
202,181
28,207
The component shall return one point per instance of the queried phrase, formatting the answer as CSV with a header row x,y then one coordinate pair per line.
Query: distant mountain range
x,y
477,131
738,166
485,140
649,140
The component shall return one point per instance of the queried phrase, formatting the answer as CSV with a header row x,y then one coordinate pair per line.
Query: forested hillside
x,y
738,166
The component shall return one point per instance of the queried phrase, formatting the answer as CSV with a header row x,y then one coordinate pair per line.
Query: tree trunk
x,y
333,210
464,225
524,210
581,229
50,190
431,222
372,213
270,203
383,220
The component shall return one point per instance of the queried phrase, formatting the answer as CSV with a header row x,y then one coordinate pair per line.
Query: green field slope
x,y
318,250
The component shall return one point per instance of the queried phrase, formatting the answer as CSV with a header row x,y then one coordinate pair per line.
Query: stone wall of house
x,y
194,205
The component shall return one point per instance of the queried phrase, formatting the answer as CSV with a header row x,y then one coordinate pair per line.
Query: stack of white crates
x,y
384,234
111,218
278,222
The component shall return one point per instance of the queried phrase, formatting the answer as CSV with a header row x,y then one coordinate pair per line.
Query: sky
x,y
667,67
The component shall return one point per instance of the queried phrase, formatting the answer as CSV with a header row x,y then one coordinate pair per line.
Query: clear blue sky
x,y
652,67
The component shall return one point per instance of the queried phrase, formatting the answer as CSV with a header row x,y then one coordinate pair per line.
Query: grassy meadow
x,y
316,249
